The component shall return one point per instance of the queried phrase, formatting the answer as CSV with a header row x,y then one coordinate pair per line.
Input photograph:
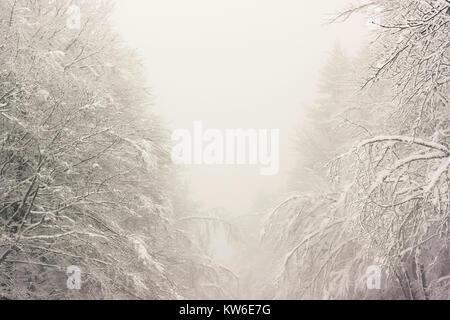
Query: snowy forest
x,y
87,180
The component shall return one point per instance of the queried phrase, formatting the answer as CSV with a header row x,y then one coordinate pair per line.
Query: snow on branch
x,y
438,174
405,139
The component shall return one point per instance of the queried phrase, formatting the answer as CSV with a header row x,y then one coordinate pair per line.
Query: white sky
x,y
235,64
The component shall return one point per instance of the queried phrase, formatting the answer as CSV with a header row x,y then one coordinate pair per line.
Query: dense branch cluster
x,y
387,202
85,169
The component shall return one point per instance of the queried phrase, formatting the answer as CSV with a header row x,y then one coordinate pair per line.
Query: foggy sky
x,y
235,64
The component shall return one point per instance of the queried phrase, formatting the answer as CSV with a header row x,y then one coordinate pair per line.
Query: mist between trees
x,y
86,177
